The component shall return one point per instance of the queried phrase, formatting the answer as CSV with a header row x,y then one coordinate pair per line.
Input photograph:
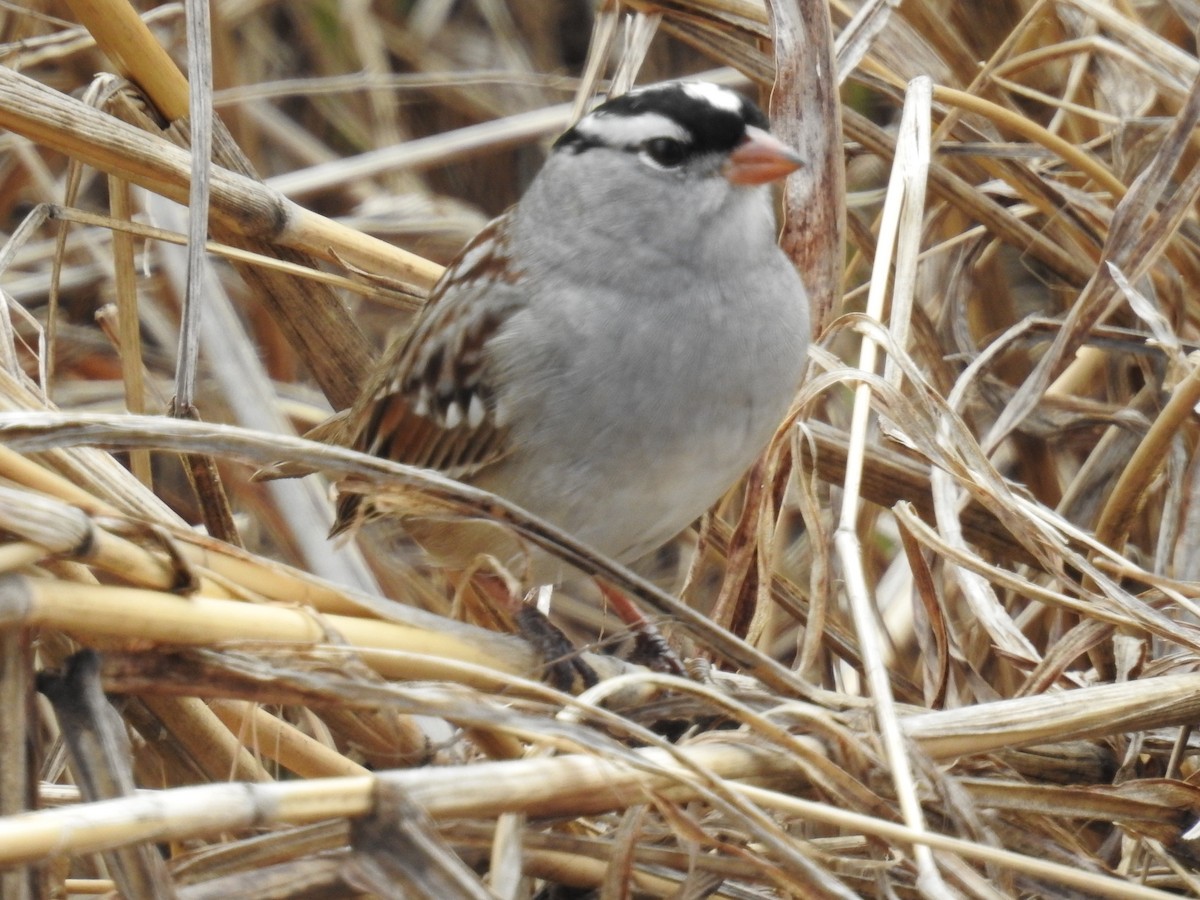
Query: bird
x,y
614,351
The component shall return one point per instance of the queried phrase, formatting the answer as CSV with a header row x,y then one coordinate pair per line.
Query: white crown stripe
x,y
630,130
714,94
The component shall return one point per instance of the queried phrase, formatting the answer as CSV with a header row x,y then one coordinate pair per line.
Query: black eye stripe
x,y
667,152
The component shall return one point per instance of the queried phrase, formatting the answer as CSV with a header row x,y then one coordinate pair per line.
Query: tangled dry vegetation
x,y
949,637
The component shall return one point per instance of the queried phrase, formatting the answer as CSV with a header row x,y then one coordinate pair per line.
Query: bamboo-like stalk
x,y
144,615
277,740
212,745
249,207
906,197
535,786
1146,462
127,321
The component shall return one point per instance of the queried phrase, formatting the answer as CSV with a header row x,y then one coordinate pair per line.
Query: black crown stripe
x,y
712,129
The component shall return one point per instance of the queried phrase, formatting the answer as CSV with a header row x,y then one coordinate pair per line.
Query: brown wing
x,y
430,403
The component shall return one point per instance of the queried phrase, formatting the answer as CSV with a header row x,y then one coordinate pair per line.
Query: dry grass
x,y
952,621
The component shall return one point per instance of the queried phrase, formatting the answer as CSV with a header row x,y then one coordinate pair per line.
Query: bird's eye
x,y
666,152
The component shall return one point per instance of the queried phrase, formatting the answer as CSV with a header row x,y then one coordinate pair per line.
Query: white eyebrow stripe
x,y
629,131
721,98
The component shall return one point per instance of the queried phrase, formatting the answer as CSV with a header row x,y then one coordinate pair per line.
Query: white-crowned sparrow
x,y
614,351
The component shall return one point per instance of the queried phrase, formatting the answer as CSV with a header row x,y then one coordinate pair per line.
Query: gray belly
x,y
625,464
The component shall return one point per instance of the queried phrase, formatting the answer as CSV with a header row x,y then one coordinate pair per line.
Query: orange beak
x,y
760,158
